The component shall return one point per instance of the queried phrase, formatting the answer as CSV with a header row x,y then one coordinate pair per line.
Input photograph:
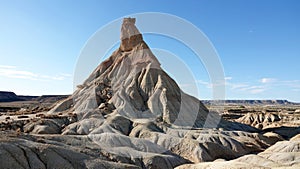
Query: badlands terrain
x,y
129,113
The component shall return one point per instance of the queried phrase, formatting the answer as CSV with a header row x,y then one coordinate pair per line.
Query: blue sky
x,y
258,42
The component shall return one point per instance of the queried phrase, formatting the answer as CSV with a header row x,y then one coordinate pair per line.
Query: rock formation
x,y
259,120
284,154
131,84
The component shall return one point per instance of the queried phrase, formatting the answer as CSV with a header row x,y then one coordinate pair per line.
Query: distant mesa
x,y
7,96
252,102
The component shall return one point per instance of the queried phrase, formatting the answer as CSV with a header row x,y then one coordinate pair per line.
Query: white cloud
x,y
246,87
228,78
264,85
210,85
13,72
252,89
255,88
242,87
292,83
7,67
256,91
66,74
237,85
206,84
267,80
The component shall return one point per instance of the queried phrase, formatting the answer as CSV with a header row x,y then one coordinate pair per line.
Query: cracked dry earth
x,y
129,113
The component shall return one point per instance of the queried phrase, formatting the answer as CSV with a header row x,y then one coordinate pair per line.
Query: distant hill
x,y
253,102
6,96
